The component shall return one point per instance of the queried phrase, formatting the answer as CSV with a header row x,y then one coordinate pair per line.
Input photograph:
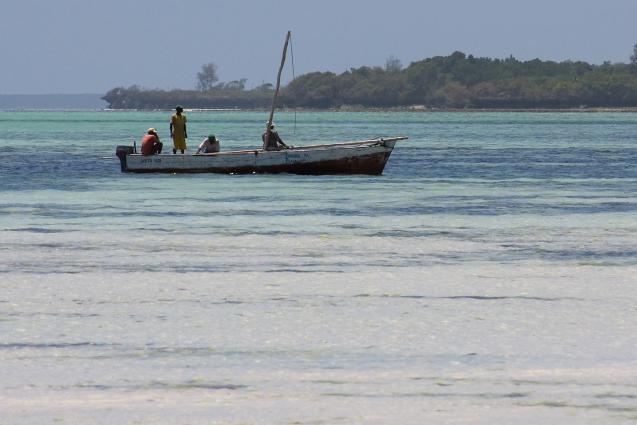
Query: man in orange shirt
x,y
150,143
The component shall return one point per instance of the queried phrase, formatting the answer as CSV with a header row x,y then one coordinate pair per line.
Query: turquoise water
x,y
488,276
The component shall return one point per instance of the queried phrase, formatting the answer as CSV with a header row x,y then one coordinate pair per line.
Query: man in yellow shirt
x,y
178,130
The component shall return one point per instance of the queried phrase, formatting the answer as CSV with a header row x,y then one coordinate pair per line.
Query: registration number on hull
x,y
145,161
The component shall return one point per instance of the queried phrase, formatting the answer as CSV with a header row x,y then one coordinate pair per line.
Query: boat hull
x,y
366,157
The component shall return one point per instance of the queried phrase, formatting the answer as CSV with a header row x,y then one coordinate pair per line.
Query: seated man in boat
x,y
150,143
209,145
274,141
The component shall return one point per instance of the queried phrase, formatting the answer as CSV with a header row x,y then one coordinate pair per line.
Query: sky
x,y
92,46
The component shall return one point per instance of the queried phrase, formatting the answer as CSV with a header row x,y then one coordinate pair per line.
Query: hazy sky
x,y
91,46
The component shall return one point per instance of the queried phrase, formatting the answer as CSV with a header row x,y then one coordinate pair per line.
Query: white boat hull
x,y
364,157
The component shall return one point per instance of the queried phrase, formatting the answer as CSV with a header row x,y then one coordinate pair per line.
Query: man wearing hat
x,y
209,145
178,130
150,143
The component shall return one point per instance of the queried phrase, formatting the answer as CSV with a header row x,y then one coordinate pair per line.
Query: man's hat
x,y
152,131
178,108
212,137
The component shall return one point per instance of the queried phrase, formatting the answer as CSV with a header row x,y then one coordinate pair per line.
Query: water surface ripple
x,y
488,276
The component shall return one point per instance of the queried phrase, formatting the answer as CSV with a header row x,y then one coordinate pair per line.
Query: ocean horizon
x,y
75,101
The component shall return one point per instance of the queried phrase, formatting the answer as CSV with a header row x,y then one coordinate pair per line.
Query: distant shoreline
x,y
431,109
396,109
333,110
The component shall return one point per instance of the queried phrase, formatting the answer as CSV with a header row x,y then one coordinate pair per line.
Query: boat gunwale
x,y
350,145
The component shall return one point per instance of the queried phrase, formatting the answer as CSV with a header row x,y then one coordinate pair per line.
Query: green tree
x,y
236,84
457,81
393,64
264,87
453,94
207,77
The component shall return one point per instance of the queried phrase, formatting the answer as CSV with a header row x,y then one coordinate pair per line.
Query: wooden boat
x,y
363,157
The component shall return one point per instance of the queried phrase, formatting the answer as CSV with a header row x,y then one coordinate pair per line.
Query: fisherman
x,y
274,141
150,143
178,130
209,145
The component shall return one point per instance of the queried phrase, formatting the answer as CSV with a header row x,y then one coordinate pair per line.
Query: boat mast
x,y
276,91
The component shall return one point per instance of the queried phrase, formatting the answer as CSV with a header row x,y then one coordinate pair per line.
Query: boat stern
x,y
121,152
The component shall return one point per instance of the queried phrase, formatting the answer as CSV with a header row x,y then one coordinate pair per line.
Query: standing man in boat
x,y
178,130
274,142
150,143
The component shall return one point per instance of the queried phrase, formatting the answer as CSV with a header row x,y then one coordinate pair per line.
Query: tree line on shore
x,y
454,81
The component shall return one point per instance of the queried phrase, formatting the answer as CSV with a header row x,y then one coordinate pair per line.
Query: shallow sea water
x,y
488,276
